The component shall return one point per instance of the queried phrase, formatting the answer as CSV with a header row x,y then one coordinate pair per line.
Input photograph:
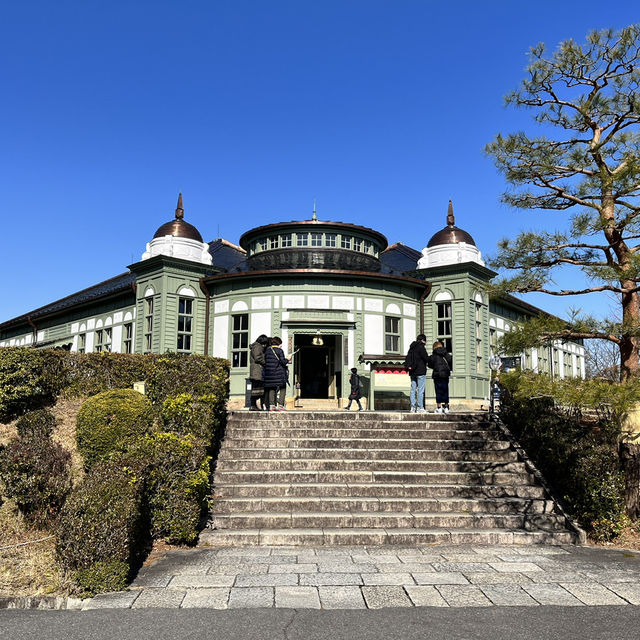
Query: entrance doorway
x,y
318,368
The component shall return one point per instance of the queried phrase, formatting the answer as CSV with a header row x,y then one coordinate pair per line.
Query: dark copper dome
x,y
178,227
450,234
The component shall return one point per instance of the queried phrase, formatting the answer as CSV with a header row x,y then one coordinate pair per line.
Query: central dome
x,y
450,234
177,227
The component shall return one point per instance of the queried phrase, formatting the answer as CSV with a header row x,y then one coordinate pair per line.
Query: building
x,y
336,293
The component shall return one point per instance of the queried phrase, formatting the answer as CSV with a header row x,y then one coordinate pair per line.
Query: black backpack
x,y
410,360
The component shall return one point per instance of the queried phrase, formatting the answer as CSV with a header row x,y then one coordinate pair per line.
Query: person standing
x,y
276,375
356,389
256,371
440,361
416,364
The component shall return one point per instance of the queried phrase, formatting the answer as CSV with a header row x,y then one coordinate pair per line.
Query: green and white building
x,y
337,294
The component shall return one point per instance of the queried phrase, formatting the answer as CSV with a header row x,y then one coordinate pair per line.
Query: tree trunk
x,y
629,364
630,456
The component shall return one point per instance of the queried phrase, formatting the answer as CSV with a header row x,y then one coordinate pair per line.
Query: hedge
x,y
101,532
110,422
39,424
571,429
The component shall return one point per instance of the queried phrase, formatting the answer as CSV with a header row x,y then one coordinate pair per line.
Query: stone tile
x,y
341,597
114,600
297,598
268,580
469,557
162,598
330,579
613,576
250,597
425,596
628,591
417,567
552,594
345,567
152,579
191,570
508,595
239,569
593,594
463,595
497,578
244,552
422,559
462,566
293,568
557,576
194,582
387,578
280,559
386,596
514,567
216,598
442,577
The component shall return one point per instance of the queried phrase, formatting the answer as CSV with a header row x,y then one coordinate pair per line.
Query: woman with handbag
x,y
440,361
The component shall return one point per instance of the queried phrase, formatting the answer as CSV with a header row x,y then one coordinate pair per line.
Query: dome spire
x,y
179,209
450,218
314,216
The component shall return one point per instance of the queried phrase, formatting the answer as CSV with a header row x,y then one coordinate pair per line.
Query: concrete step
x,y
340,464
386,520
363,443
375,504
376,490
237,433
282,453
362,537
386,476
363,416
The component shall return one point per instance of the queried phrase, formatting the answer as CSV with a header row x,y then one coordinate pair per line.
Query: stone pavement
x,y
377,577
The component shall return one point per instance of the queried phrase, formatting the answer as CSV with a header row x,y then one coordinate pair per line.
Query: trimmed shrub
x,y
29,378
576,452
101,530
111,421
38,424
183,414
35,473
176,478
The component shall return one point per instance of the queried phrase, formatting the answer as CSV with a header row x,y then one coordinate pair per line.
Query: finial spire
x,y
314,216
179,209
450,219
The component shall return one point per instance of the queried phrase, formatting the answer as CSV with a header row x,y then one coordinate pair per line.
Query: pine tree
x,y
589,172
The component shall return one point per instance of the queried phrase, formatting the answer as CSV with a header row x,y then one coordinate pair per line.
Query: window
x,y
148,324
274,242
82,342
478,338
127,338
240,340
102,340
330,239
316,239
286,239
108,333
392,334
444,325
367,246
357,244
263,244
493,340
346,242
185,323
302,239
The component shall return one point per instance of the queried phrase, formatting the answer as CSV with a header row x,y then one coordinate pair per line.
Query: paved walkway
x,y
377,577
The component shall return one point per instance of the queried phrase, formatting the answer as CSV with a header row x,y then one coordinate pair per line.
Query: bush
x,y
101,530
575,449
176,479
38,424
29,378
183,414
110,421
36,475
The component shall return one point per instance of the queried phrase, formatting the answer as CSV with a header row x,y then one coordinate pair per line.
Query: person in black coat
x,y
440,361
276,375
256,371
356,390
416,365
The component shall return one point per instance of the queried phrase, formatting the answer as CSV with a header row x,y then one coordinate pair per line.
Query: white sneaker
x,y
421,410
413,409
445,410
438,410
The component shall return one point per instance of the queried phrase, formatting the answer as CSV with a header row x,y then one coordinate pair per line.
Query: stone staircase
x,y
372,478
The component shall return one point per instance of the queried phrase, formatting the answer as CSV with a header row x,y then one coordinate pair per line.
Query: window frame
x,y
240,354
392,334
443,322
184,334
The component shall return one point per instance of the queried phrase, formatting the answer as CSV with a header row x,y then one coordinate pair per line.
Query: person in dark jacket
x,y
356,390
440,361
256,371
416,364
276,375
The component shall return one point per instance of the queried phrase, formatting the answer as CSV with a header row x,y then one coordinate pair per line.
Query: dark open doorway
x,y
316,368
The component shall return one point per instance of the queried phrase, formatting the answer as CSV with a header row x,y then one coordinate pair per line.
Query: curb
x,y
40,603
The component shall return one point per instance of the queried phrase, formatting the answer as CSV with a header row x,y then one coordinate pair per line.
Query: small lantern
x,y
317,340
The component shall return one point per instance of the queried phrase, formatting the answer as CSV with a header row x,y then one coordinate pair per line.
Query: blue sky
x,y
379,109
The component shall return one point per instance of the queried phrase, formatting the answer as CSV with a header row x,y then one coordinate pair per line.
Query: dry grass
x,y
32,569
